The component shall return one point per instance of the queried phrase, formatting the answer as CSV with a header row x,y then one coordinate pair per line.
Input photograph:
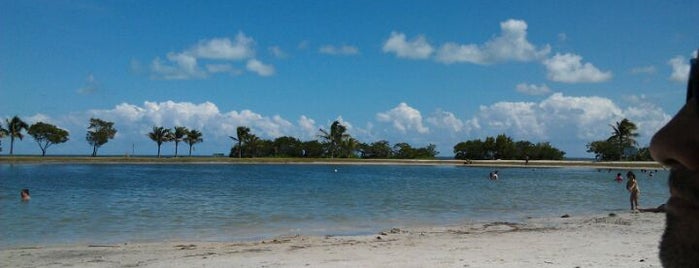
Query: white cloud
x,y
277,52
511,44
225,49
343,50
446,120
260,68
404,118
418,48
179,66
532,89
308,127
568,68
516,118
220,68
680,69
565,121
217,53
643,70
91,85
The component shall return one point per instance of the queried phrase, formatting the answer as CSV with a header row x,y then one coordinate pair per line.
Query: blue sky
x,y
421,72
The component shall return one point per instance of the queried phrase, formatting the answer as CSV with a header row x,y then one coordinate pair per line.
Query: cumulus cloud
x,y
308,126
404,118
568,68
417,48
343,50
680,69
565,119
445,120
177,67
531,89
225,49
260,68
218,53
517,118
511,44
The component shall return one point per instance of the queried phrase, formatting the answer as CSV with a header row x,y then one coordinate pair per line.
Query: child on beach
x,y
632,187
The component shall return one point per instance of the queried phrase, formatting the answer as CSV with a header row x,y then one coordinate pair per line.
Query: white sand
x,y
626,240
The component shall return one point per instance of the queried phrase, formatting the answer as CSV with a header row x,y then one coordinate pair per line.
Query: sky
x,y
421,72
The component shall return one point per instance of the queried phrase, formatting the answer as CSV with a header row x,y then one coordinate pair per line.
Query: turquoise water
x,y
105,203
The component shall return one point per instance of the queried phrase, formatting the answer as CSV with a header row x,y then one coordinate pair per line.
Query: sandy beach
x,y
624,240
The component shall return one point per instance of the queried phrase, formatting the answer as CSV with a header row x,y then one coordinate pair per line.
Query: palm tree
x,y
242,135
14,129
193,137
3,133
178,135
624,135
252,142
335,137
160,135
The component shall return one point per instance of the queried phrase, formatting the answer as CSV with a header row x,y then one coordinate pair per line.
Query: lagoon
x,y
124,203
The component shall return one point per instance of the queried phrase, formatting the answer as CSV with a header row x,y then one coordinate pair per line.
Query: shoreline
x,y
623,240
325,161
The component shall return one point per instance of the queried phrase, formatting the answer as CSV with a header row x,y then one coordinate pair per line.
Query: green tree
x,y
193,137
472,149
403,150
334,137
603,150
623,136
287,147
14,130
160,135
379,149
178,135
348,147
252,144
99,133
242,134
504,147
313,149
3,133
46,135
545,150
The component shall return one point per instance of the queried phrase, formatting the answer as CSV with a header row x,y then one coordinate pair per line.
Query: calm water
x,y
74,203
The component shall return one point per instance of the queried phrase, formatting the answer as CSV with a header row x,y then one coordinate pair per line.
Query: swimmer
x,y
24,194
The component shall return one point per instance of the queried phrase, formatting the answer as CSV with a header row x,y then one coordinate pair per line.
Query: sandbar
x,y
650,165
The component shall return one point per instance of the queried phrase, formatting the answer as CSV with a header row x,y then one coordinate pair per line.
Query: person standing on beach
x,y
676,146
632,186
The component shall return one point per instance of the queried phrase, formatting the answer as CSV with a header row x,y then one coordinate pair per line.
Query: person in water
x,y
676,146
493,175
24,194
632,186
618,178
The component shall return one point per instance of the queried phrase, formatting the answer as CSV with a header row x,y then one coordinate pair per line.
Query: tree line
x,y
335,142
621,145
332,143
503,147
